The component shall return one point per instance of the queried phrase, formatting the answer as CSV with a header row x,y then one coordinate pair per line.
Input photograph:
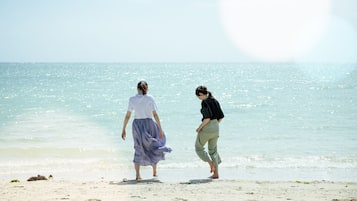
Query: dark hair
x,y
143,87
203,90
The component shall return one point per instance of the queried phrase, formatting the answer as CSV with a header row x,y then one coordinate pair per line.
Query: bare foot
x,y
214,177
138,178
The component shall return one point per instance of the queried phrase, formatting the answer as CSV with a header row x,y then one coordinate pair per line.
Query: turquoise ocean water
x,y
283,121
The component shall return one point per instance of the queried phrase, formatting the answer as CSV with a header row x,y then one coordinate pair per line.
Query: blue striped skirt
x,y
149,149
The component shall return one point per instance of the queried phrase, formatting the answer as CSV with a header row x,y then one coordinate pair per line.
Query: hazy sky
x,y
178,30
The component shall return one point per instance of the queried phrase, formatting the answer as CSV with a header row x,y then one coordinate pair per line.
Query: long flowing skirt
x,y
149,149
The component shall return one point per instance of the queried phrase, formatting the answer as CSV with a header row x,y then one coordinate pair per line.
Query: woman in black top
x,y
208,131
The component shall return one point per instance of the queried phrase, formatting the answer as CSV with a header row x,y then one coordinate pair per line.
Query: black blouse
x,y
211,109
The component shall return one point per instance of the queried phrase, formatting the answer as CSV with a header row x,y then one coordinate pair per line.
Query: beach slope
x,y
130,190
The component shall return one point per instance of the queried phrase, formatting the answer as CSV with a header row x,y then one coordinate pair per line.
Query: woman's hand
x,y
203,124
126,120
157,119
123,134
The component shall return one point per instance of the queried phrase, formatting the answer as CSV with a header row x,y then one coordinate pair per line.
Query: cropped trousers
x,y
209,134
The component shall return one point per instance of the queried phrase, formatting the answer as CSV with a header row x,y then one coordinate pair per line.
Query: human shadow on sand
x,y
151,181
134,181
197,181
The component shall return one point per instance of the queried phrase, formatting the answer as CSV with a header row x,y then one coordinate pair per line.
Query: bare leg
x,y
214,170
211,164
215,175
137,170
154,168
212,149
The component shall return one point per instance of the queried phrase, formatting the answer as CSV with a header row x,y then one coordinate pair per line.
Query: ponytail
x,y
203,90
143,87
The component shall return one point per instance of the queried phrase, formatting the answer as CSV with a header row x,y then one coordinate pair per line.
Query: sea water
x,y
282,121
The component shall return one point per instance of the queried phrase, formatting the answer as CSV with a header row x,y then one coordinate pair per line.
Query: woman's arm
x,y
157,119
203,124
126,120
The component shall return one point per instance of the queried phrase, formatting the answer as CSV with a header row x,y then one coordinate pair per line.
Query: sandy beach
x,y
154,189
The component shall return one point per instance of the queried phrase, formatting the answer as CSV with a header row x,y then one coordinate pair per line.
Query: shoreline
x,y
185,174
154,189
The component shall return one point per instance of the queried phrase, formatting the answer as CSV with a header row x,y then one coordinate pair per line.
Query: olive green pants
x,y
210,134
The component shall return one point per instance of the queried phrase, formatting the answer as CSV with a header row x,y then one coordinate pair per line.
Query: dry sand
x,y
192,190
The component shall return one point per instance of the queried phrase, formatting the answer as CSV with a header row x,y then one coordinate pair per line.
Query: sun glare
x,y
275,30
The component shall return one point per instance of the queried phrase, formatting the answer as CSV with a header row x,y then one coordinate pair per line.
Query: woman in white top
x,y
149,138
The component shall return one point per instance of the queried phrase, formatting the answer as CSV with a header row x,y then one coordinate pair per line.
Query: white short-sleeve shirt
x,y
142,106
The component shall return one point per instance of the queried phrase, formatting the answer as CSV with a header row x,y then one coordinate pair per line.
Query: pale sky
x,y
178,30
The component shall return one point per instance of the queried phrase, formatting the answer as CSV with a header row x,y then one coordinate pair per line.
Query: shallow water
x,y
285,121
